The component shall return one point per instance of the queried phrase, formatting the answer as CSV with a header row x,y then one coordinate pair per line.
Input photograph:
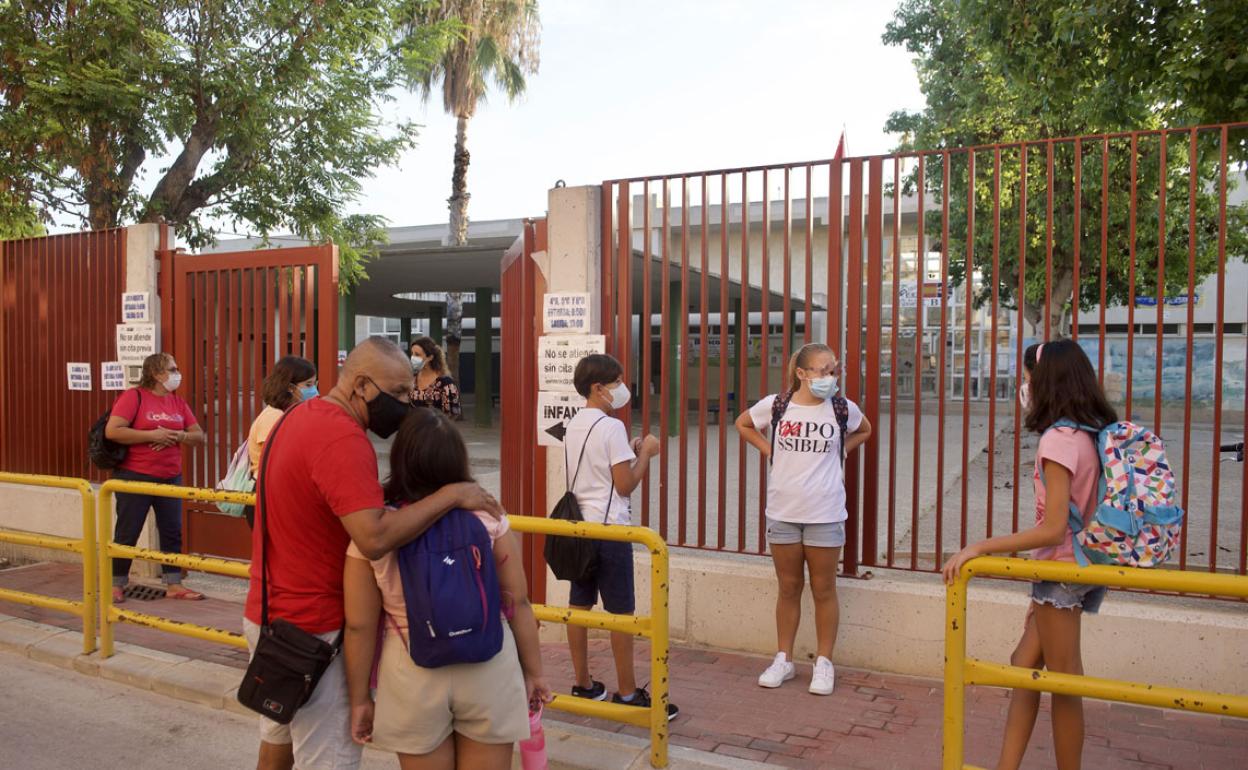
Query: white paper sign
x,y
112,375
135,308
557,358
554,409
566,312
79,376
135,342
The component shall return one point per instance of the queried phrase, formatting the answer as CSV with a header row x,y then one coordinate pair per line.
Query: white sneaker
x,y
779,672
824,679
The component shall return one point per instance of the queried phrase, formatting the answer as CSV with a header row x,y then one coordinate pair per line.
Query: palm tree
x,y
498,42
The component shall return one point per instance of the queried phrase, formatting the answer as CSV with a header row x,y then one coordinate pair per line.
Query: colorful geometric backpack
x,y
1138,521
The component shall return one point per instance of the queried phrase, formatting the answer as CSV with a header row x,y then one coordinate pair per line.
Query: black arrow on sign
x,y
558,430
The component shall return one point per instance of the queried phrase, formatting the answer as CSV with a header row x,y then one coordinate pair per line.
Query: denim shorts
x,y
1068,596
612,580
829,535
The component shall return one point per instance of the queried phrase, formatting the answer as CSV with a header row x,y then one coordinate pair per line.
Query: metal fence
x,y
1130,243
60,301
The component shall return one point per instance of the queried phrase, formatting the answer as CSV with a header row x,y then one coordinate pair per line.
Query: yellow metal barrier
x,y
85,609
961,671
655,626
109,550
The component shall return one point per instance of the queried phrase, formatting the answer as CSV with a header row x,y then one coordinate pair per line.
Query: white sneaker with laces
x,y
779,672
824,679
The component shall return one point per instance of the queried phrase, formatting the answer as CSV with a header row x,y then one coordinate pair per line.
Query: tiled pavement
x,y
871,721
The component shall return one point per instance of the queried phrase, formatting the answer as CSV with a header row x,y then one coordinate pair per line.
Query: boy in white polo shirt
x,y
608,468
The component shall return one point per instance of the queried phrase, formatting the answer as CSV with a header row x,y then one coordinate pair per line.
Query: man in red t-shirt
x,y
320,492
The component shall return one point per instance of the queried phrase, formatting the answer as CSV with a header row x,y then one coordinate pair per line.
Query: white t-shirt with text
x,y
805,484
608,446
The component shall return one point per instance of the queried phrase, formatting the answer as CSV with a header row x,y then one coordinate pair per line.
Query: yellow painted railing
x,y
85,545
98,551
961,671
654,626
109,613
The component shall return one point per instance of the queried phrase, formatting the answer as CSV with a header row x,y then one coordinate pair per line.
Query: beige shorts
x,y
321,729
418,708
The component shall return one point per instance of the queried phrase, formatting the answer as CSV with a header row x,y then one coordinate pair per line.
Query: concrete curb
x,y
569,747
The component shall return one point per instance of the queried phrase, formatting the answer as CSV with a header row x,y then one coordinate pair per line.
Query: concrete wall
x,y
894,622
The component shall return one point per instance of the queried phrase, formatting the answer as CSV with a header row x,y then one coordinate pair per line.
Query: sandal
x,y
185,594
119,595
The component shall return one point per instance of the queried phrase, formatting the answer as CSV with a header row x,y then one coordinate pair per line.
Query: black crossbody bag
x,y
288,661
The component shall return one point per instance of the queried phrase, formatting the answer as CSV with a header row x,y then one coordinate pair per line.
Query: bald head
x,y
376,357
375,364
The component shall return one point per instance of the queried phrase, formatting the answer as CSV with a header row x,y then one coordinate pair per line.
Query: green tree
x,y
498,43
1005,72
262,113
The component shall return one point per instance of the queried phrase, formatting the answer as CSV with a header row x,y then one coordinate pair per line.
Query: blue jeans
x,y
131,515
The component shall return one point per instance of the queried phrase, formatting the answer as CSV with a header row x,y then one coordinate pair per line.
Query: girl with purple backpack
x,y
461,715
812,429
1059,384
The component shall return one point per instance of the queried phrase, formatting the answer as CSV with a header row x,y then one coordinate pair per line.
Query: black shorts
x,y
612,580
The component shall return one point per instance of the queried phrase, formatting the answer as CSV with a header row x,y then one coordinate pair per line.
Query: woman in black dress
x,y
433,385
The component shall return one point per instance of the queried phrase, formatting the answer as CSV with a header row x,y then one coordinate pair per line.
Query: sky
x,y
632,88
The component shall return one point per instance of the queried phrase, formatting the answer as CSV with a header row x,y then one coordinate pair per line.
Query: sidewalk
x,y
872,721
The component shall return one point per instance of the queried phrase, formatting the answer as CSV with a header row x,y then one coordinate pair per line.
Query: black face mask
x,y
386,413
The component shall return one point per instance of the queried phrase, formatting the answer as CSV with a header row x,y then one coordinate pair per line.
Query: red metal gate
x,y
234,315
60,300
712,278
523,463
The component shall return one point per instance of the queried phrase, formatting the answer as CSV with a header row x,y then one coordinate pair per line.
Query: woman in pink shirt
x,y
465,715
154,423
1059,383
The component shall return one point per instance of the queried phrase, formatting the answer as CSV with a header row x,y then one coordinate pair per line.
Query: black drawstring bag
x,y
573,558
288,661
103,452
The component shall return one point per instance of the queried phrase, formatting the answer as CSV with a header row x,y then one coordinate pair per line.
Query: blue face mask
x,y
823,387
308,393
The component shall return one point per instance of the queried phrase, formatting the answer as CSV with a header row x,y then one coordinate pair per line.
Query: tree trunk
x,y
1059,316
458,204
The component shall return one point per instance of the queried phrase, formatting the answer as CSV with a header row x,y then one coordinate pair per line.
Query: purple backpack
x,y
450,586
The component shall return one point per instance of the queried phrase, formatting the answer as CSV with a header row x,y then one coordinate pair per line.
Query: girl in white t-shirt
x,y
806,501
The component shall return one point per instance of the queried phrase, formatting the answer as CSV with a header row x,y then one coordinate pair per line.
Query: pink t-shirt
x,y
1075,451
386,570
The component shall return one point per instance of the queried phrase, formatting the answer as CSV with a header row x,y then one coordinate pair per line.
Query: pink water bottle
x,y
533,750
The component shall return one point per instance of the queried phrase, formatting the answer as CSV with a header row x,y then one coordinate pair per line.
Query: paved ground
x,y
872,721
54,719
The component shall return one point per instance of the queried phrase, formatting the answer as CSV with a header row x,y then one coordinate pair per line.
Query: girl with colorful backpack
x,y
811,431
1063,402
458,669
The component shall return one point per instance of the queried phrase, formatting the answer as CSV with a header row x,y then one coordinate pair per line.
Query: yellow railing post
x,y
85,545
108,550
659,651
961,671
104,520
955,681
655,627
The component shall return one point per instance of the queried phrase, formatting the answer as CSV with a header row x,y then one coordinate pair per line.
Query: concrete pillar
x,y
435,324
483,356
572,263
346,321
405,332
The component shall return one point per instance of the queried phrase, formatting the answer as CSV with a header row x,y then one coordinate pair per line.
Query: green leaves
x,y
995,72
260,113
